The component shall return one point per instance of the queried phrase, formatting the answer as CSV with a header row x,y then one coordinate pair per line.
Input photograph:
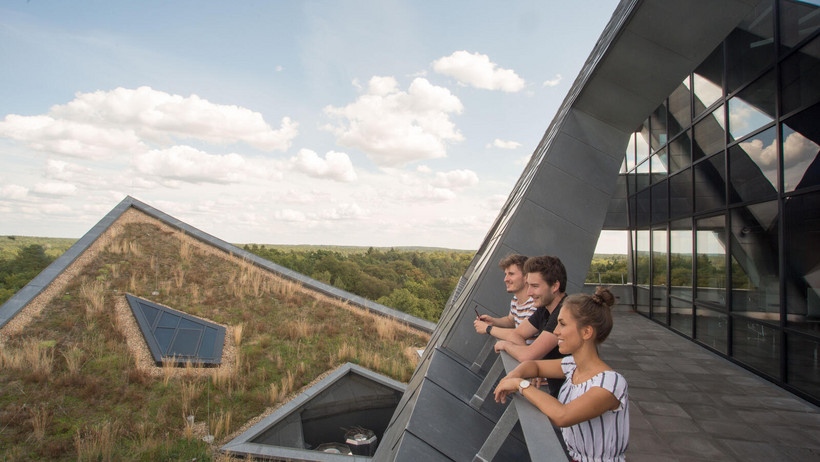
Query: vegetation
x,y
417,282
71,388
17,271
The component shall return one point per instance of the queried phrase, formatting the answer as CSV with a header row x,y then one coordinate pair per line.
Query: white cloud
x,y
455,179
524,160
106,124
553,82
335,166
290,215
57,209
395,127
343,212
56,189
497,143
13,191
477,70
184,163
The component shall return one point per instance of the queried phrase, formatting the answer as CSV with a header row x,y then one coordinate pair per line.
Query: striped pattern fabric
x,y
603,438
522,312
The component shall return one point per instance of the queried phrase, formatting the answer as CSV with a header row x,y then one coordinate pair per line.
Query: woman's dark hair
x,y
593,310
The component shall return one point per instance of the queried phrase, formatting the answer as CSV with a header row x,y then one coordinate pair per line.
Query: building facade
x,y
723,187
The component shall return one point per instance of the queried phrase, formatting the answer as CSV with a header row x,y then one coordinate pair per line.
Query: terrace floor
x,y
689,404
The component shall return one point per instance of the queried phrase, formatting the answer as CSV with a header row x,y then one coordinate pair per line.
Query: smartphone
x,y
476,312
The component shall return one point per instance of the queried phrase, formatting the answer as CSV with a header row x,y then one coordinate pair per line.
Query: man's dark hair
x,y
551,270
514,259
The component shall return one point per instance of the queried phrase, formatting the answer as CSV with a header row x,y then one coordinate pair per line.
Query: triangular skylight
x,y
172,334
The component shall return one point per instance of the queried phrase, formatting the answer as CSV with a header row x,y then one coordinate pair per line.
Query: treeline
x,y
415,282
16,272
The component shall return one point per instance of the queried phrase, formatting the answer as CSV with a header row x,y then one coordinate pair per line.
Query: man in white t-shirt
x,y
521,305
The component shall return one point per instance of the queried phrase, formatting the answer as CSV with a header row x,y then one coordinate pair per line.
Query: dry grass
x,y
94,294
220,423
34,357
237,333
385,327
39,421
96,442
74,357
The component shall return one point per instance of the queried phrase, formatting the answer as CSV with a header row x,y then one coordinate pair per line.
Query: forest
x,y
415,281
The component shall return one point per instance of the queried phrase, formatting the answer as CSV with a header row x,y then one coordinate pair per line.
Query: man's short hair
x,y
551,269
514,259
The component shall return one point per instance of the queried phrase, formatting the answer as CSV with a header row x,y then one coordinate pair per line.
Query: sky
x,y
364,123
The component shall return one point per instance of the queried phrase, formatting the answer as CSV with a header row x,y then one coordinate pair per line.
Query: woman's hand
x,y
505,387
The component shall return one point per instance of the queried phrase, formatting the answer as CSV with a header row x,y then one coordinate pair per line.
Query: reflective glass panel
x,y
707,81
709,135
658,165
164,335
710,183
752,108
660,203
802,228
756,345
753,168
642,258
168,320
800,78
798,20
150,314
755,253
680,153
710,268
681,316
642,300
680,259
642,175
659,269
658,124
681,199
643,208
750,47
711,327
679,116
630,152
642,143
801,168
803,364
186,342
206,349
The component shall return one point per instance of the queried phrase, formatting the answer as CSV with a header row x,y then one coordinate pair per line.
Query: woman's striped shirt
x,y
602,438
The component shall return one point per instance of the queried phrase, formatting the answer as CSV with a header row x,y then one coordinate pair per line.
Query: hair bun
x,y
604,297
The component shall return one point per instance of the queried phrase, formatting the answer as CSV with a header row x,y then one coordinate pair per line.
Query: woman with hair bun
x,y
592,408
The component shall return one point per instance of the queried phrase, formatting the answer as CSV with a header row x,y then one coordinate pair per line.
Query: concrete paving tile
x,y
695,446
752,451
803,419
647,394
790,436
639,457
648,442
705,411
673,385
655,367
638,422
668,424
729,430
758,417
800,454
783,403
661,408
688,396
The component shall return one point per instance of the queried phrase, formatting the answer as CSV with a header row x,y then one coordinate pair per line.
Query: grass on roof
x,y
71,389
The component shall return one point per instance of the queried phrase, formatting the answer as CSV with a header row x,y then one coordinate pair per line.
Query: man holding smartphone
x,y
521,305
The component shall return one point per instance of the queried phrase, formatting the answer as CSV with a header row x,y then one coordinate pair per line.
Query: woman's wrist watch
x,y
522,385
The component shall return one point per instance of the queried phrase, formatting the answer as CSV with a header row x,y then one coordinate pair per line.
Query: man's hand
x,y
481,324
500,346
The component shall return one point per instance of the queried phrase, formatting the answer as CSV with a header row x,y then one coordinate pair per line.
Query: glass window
x,y
755,253
710,183
753,168
679,116
798,20
707,81
660,203
659,166
642,175
642,300
659,270
710,268
752,108
681,200
800,150
750,47
680,317
642,143
710,135
799,82
802,229
710,328
756,345
680,259
658,124
630,152
643,208
680,153
642,258
803,364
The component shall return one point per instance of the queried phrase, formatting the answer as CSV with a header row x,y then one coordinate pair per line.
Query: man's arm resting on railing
x,y
517,335
542,345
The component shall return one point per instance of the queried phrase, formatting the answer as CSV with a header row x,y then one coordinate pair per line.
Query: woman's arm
x,y
591,404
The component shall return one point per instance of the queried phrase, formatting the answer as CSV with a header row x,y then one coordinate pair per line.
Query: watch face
x,y
524,384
